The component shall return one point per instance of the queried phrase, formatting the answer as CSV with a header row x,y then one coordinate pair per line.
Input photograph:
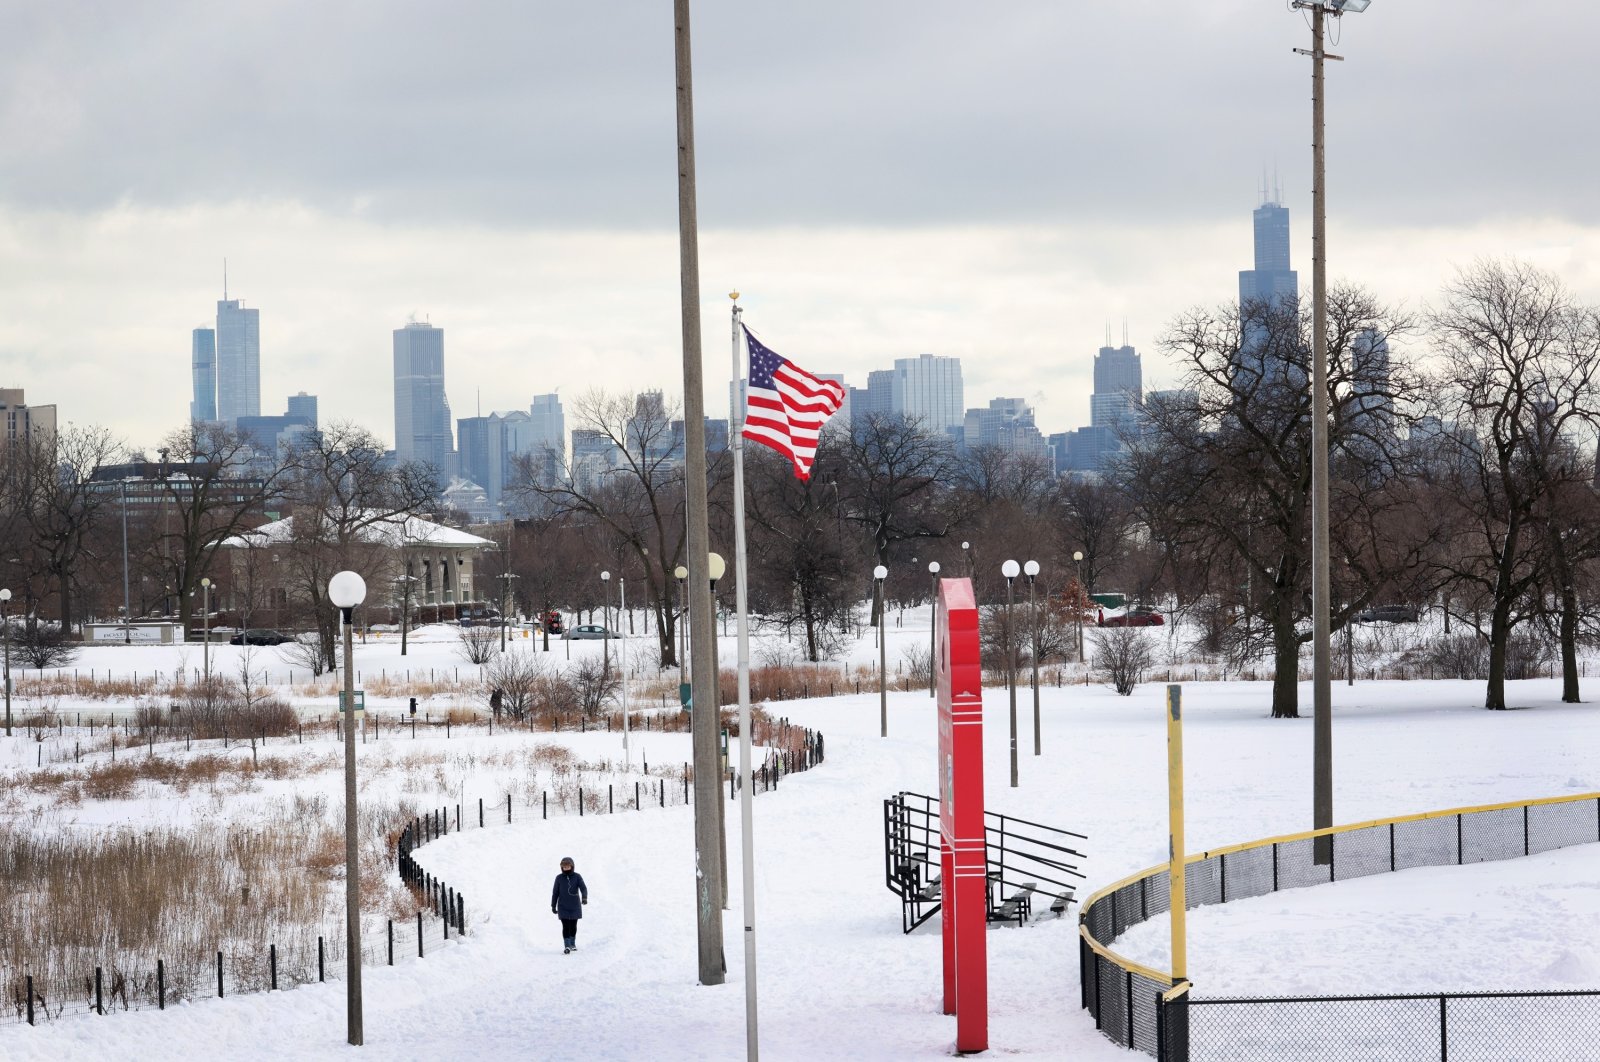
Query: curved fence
x,y
1138,1006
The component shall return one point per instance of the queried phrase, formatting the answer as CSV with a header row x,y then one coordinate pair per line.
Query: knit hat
x,y
567,861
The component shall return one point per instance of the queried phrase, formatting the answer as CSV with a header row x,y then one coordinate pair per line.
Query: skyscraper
x,y
927,388
203,368
304,405
238,360
1271,281
1118,385
421,410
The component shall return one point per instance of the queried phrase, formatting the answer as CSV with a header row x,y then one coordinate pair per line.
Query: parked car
x,y
552,622
1387,614
260,636
589,630
478,616
1138,616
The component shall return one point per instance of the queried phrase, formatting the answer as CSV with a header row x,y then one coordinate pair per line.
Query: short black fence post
x,y
545,796
419,934
272,967
219,975
161,984
322,969
663,788
458,818
438,909
636,805
30,999
391,942
580,802
461,914
611,806
480,813
508,808
1444,1032
99,1008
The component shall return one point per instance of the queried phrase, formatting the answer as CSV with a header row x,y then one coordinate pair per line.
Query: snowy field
x,y
838,980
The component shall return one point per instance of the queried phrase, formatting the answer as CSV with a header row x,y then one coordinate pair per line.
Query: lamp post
x,y
622,595
715,568
405,582
878,575
205,628
1010,570
505,604
605,624
933,626
1083,593
347,590
5,621
681,574
966,553
1031,569
127,616
1321,632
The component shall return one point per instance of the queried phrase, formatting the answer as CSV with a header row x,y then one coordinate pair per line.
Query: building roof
x,y
393,532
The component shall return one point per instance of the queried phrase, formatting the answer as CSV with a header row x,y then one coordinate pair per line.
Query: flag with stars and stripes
x,y
787,406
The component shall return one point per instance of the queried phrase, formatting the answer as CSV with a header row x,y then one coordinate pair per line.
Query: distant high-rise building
x,y
472,450
593,455
203,369
238,361
1007,424
549,426
928,387
1271,281
272,435
1118,384
20,422
421,410
1373,416
304,405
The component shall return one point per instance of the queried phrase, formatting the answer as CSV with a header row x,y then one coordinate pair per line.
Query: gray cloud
x,y
832,112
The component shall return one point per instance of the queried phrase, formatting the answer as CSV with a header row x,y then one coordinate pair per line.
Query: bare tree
x,y
635,493
1222,471
60,503
1517,381
207,496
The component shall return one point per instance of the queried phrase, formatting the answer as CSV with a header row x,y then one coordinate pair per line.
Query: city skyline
x,y
545,235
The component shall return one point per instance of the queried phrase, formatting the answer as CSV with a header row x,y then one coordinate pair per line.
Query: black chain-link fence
x,y
1129,1004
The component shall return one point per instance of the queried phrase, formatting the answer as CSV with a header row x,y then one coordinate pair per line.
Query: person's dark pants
x,y
569,931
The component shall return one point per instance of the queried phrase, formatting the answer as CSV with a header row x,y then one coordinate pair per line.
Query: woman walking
x,y
567,898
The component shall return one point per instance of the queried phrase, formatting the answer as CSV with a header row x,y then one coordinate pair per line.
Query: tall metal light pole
x,y
1077,605
878,575
681,573
622,594
933,627
1010,569
1321,653
1031,569
205,628
708,854
5,621
347,590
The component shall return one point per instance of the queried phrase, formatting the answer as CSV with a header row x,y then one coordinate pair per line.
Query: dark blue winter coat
x,y
569,894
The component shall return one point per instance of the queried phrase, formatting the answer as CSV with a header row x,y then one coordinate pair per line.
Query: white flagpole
x,y
622,588
752,1045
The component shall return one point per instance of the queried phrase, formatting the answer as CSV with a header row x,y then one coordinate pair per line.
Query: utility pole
x,y
707,792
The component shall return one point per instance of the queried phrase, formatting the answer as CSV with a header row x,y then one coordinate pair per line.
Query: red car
x,y
1140,616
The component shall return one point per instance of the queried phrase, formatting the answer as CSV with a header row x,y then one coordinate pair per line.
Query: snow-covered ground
x,y
838,980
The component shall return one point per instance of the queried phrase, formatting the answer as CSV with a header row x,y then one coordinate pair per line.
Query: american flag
x,y
787,406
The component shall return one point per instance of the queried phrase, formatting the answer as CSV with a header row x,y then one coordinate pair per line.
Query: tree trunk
x,y
811,625
1499,636
1286,662
66,604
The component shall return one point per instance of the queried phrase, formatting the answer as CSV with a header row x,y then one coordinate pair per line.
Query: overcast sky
x,y
999,182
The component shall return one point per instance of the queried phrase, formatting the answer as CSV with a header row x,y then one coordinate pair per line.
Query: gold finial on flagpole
x,y
734,295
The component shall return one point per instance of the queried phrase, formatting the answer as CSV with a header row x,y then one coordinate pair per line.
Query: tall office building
x,y
1271,281
238,361
203,369
929,388
20,422
1006,424
304,405
421,410
472,450
1118,385
1270,287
